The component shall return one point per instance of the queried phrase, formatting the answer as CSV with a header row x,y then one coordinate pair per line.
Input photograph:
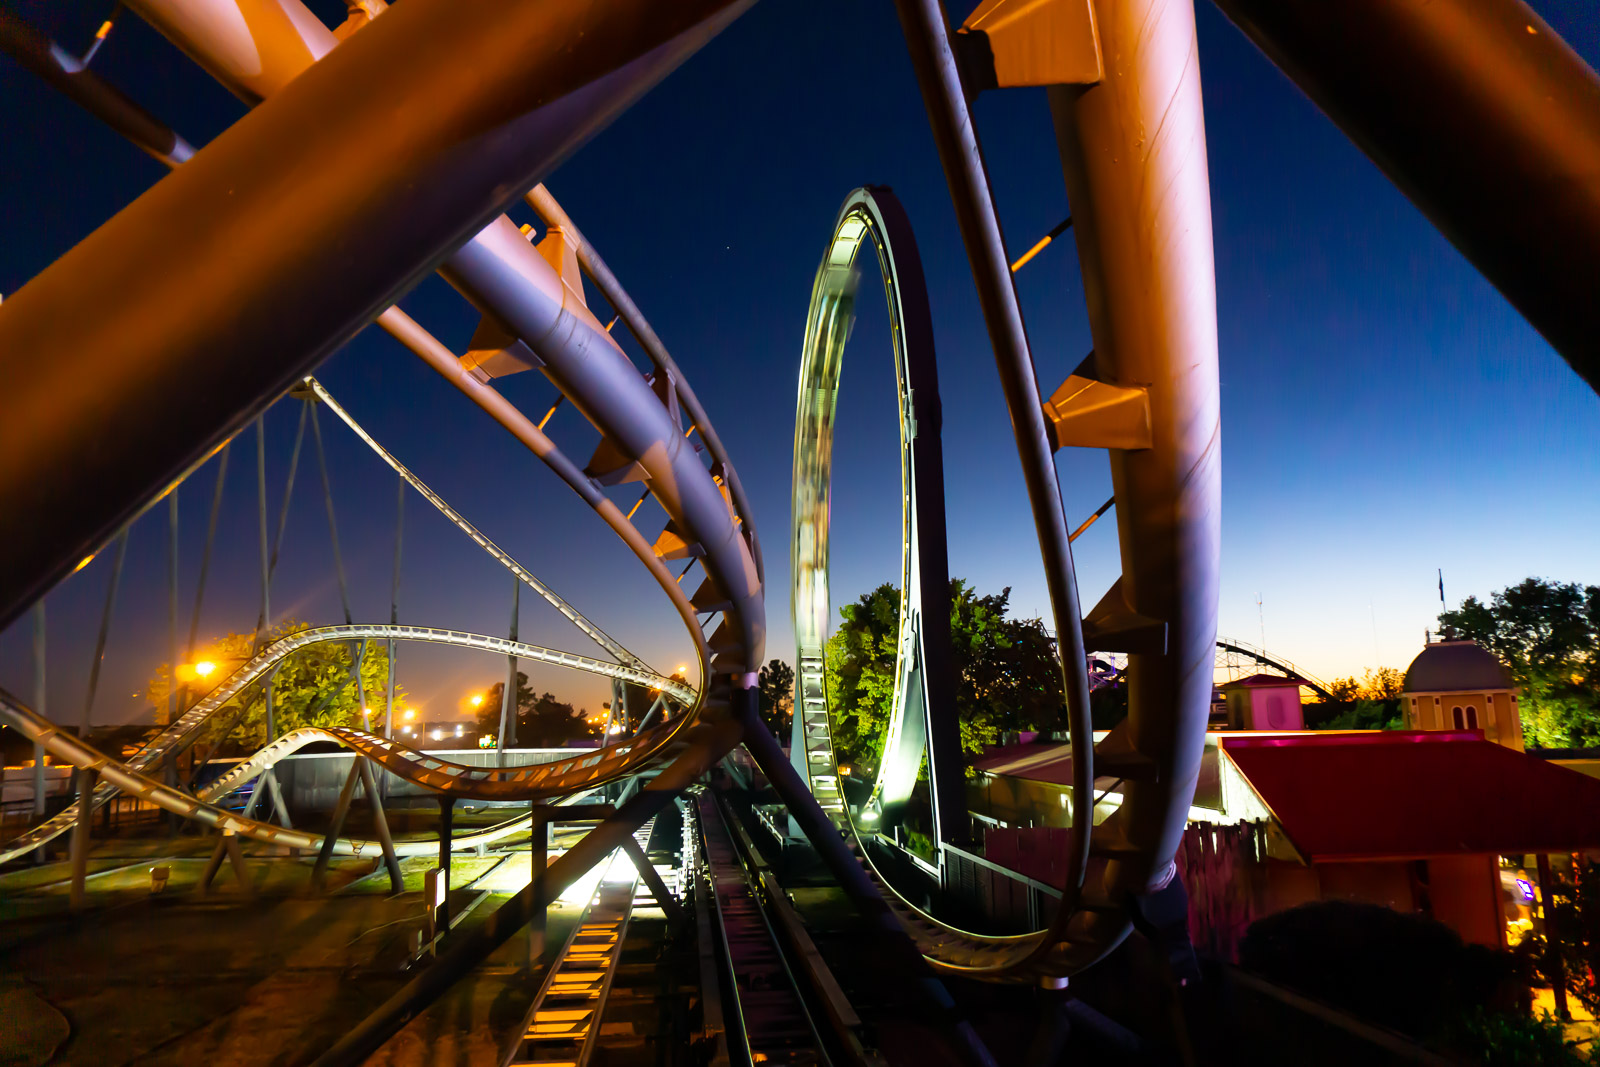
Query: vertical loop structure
x,y
923,714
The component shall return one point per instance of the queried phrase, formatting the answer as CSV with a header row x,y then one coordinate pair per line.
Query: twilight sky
x,y
1385,412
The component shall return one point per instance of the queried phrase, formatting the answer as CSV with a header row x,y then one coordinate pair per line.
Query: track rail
x,y
121,776
583,771
773,1021
562,1027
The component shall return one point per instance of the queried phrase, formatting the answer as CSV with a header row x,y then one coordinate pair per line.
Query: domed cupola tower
x,y
1460,685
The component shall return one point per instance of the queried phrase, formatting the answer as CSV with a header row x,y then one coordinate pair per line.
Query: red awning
x,y
1408,794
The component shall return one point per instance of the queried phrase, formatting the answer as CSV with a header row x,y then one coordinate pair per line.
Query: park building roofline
x,y
1456,667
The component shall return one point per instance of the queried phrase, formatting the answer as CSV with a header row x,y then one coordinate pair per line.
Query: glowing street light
x,y
411,713
477,700
201,670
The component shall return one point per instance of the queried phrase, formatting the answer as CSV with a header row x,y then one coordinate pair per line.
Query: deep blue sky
x,y
1385,412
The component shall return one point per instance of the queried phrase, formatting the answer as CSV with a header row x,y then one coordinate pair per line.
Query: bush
x,y
1404,972
1509,1039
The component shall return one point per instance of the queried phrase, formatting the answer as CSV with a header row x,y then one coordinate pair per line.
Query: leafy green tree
x,y
1548,636
1574,925
313,686
776,696
1007,676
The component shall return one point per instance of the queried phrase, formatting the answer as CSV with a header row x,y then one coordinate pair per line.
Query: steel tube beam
x,y
928,37
1133,153
67,74
551,212
171,291
1485,119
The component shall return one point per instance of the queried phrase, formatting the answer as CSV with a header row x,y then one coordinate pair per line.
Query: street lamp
x,y
199,671
477,700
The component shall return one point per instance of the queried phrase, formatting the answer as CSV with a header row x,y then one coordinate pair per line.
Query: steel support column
x,y
341,808
508,695
380,824
40,693
447,808
79,848
928,37
1484,117
1134,158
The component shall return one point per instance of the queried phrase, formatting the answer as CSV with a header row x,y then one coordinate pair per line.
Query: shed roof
x,y
1409,794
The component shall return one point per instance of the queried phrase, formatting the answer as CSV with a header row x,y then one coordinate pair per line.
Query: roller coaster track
x,y
1260,655
121,776
546,780
1087,925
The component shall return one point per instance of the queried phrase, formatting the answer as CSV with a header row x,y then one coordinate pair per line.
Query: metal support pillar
x,y
227,846
447,807
652,878
40,692
928,37
269,694
539,856
1141,209
380,824
394,600
267,784
105,630
1484,117
174,823
319,871
508,697
265,622
79,847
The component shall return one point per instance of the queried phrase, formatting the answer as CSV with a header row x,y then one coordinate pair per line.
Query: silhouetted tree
x,y
542,721
776,697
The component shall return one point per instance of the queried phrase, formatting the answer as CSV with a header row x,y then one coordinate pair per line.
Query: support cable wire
x,y
205,555
112,585
327,499
594,632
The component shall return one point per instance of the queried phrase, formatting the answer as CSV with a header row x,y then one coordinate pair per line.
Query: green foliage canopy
x,y
1007,675
1548,636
